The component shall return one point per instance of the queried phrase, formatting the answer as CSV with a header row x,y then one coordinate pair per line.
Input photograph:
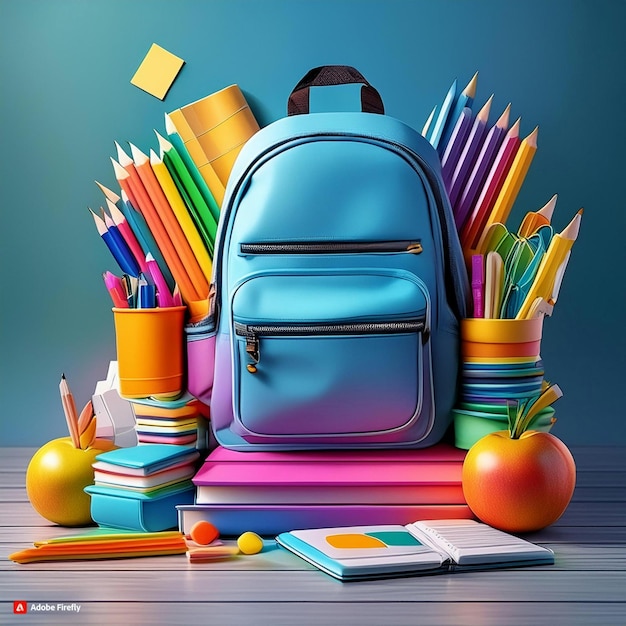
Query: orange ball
x,y
203,533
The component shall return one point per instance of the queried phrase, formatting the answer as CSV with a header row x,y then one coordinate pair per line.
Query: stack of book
x,y
182,422
272,492
138,488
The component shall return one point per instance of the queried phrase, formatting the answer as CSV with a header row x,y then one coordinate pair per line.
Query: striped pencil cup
x,y
150,351
501,363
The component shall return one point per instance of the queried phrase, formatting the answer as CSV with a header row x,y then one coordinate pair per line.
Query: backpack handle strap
x,y
327,75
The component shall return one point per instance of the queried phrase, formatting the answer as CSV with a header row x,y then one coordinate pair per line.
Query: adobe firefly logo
x,y
20,606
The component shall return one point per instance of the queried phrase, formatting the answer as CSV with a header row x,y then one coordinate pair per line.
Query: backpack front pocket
x,y
330,354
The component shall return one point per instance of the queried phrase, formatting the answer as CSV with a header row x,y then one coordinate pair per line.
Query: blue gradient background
x,y
65,67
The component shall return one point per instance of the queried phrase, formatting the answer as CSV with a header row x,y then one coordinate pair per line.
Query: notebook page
x,y
472,543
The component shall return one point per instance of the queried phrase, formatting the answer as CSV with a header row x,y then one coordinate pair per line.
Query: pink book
x,y
429,476
440,453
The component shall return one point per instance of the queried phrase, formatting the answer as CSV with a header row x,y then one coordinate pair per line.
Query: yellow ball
x,y
250,543
56,477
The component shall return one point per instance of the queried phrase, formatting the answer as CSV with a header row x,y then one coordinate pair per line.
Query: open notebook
x,y
426,547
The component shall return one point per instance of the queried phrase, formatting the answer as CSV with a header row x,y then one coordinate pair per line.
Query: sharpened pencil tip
x,y
514,130
169,125
164,144
154,158
138,156
122,157
503,120
120,172
483,114
470,90
532,138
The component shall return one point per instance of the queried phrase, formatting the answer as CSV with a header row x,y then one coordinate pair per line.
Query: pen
x,y
145,294
478,284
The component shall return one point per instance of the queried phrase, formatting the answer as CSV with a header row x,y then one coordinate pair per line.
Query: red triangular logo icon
x,y
20,606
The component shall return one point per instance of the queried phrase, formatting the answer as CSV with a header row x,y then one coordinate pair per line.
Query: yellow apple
x,y
56,477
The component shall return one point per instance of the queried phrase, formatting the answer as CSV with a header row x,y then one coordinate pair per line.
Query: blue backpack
x,y
339,283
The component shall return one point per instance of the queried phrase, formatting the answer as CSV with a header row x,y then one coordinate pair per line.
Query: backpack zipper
x,y
455,274
324,247
252,332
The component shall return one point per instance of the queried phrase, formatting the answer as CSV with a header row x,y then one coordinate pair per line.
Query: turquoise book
x,y
353,553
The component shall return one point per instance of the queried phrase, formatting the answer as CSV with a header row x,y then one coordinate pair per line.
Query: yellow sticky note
x,y
157,71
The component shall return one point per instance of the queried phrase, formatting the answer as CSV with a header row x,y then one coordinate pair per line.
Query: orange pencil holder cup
x,y
150,351
501,338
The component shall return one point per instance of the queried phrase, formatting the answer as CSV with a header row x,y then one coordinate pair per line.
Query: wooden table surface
x,y
586,585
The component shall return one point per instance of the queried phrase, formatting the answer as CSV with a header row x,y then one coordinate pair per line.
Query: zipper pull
x,y
252,345
252,350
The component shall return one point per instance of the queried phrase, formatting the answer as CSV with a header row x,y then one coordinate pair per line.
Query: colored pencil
x,y
124,236
85,417
181,213
534,220
163,208
465,99
467,157
114,286
440,123
188,188
547,282
144,236
164,297
123,257
120,221
475,225
429,121
210,192
481,167
108,193
455,146
69,409
182,205
514,179
129,181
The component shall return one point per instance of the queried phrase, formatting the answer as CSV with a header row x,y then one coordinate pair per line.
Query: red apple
x,y
56,477
519,484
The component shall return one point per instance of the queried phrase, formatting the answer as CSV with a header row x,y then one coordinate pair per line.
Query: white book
x,y
423,547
